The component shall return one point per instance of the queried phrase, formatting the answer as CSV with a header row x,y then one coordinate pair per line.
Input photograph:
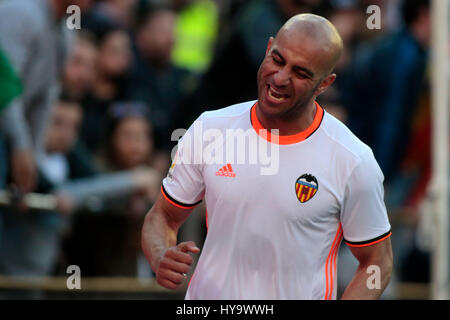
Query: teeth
x,y
273,97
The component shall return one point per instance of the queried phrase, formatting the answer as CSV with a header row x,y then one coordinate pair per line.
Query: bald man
x,y
283,181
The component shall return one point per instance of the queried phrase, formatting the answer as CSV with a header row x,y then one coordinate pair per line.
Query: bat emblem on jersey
x,y
306,187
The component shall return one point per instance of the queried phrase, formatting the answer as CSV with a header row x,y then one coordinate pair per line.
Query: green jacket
x,y
10,85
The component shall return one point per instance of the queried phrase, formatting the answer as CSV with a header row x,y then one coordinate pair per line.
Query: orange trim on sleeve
x,y
173,203
370,243
283,140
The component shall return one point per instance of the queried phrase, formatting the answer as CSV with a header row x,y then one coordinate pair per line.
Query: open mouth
x,y
276,95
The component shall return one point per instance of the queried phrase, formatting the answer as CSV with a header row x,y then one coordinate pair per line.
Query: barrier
x,y
129,285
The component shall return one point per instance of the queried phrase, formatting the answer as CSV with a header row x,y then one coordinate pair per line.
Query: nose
x,y
281,77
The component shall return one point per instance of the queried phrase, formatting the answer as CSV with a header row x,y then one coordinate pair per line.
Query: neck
x,y
291,123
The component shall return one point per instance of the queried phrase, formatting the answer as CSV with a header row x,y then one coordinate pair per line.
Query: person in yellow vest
x,y
195,34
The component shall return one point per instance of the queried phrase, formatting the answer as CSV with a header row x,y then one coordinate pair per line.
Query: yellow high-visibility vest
x,y
196,31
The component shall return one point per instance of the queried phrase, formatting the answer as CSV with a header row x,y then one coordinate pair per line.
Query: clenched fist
x,y
175,263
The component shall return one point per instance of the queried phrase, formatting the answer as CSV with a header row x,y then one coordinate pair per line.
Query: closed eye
x,y
277,57
302,75
301,72
277,60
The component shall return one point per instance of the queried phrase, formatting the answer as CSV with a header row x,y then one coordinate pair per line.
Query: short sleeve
x,y
184,185
363,216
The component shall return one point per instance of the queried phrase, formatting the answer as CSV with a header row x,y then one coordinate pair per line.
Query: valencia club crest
x,y
306,187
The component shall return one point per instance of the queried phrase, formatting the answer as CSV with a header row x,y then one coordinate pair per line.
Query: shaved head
x,y
319,33
298,67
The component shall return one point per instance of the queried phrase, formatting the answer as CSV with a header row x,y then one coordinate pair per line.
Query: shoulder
x,y
24,15
352,159
223,117
356,157
21,9
345,142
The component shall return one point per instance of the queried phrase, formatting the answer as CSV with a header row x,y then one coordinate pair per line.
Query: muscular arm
x,y
168,260
380,255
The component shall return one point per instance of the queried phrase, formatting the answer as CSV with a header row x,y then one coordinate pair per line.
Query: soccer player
x,y
275,234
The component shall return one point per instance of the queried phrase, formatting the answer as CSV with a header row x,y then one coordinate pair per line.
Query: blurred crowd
x,y
87,115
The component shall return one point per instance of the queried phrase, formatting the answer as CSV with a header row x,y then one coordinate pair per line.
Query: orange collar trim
x,y
290,139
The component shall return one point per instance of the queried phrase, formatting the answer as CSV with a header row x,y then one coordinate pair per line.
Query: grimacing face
x,y
291,75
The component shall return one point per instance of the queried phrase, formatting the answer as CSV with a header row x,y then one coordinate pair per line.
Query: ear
x,y
325,84
269,45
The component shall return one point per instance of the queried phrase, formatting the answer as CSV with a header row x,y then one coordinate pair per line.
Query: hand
x,y
23,170
175,263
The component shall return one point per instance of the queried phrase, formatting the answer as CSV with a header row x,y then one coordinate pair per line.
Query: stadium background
x,y
137,70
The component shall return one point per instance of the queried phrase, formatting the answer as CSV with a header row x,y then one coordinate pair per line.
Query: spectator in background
x,y
79,72
118,12
64,159
114,251
387,101
113,61
11,88
349,19
9,82
196,30
33,40
129,144
154,80
30,242
129,137
391,71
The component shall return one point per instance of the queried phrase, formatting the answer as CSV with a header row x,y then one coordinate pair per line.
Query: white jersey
x,y
276,235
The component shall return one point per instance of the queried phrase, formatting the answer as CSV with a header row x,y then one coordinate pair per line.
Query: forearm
x,y
368,283
157,235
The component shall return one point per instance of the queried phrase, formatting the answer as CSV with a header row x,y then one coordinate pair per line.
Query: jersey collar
x,y
290,139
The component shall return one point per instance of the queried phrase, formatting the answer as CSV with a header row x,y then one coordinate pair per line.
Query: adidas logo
x,y
226,171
